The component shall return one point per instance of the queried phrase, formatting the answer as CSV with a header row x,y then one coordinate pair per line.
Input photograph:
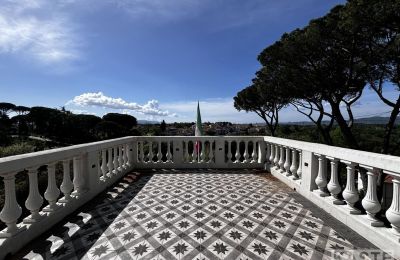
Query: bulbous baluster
x,y
293,167
159,153
287,161
67,186
52,191
350,193
281,159
299,169
254,156
187,155
276,159
169,155
195,151
237,154
115,160
11,210
110,164
229,151
267,153
211,153
78,180
104,163
321,179
393,213
120,158
370,201
246,152
333,185
142,157
203,151
151,154
272,154
34,200
125,156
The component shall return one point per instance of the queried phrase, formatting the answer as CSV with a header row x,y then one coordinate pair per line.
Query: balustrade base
x,y
322,193
30,220
6,234
54,208
337,201
374,222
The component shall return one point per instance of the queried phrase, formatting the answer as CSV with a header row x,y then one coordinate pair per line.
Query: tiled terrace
x,y
196,214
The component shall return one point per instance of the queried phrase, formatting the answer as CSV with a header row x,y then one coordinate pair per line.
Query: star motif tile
x,y
193,214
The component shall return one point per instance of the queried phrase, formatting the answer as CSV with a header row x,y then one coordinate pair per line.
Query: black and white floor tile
x,y
193,215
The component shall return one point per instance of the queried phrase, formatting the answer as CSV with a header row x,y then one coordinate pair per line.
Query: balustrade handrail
x,y
388,163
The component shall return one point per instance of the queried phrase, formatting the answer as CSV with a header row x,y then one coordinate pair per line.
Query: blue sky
x,y
150,58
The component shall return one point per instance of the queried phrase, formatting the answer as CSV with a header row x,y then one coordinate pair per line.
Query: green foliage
x,y
123,120
15,149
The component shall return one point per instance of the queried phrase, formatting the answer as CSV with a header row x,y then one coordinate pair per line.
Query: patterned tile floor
x,y
205,214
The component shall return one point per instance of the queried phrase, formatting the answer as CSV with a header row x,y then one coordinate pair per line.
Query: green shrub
x,y
15,149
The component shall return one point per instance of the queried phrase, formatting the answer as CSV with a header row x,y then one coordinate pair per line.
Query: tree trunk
x,y
344,128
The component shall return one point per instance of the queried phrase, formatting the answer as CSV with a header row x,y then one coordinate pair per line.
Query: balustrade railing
x,y
328,176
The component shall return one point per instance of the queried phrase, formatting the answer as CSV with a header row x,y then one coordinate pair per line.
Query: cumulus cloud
x,y
151,108
32,28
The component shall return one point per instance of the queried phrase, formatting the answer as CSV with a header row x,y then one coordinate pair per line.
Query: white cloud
x,y
151,108
34,28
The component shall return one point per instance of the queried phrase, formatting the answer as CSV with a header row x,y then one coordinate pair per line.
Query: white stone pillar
x,y
78,180
11,210
393,213
125,149
370,201
229,154
246,152
203,151
333,185
254,156
287,161
293,167
267,152
120,158
159,153
104,163
110,164
169,155
142,157
151,155
272,154
281,159
350,193
321,179
52,191
211,153
34,200
300,167
67,186
237,155
276,159
115,160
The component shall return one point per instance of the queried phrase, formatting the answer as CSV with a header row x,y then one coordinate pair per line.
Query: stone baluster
x,y
187,155
52,192
267,152
195,151
125,150
169,155
246,152
78,180
67,186
276,159
115,159
254,155
34,200
287,161
211,153
272,154
237,154
293,167
110,164
393,213
159,153
370,201
281,159
350,193
321,179
299,169
203,151
11,210
333,185
104,163
229,154
151,155
120,158
142,157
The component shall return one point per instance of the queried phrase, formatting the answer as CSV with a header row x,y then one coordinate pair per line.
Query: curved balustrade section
x,y
343,182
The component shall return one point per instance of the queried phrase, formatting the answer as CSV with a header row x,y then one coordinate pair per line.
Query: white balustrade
x,y
169,155
120,158
78,180
104,163
230,151
150,155
110,164
115,160
299,169
281,159
246,152
237,154
254,156
276,159
393,213
125,156
272,154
